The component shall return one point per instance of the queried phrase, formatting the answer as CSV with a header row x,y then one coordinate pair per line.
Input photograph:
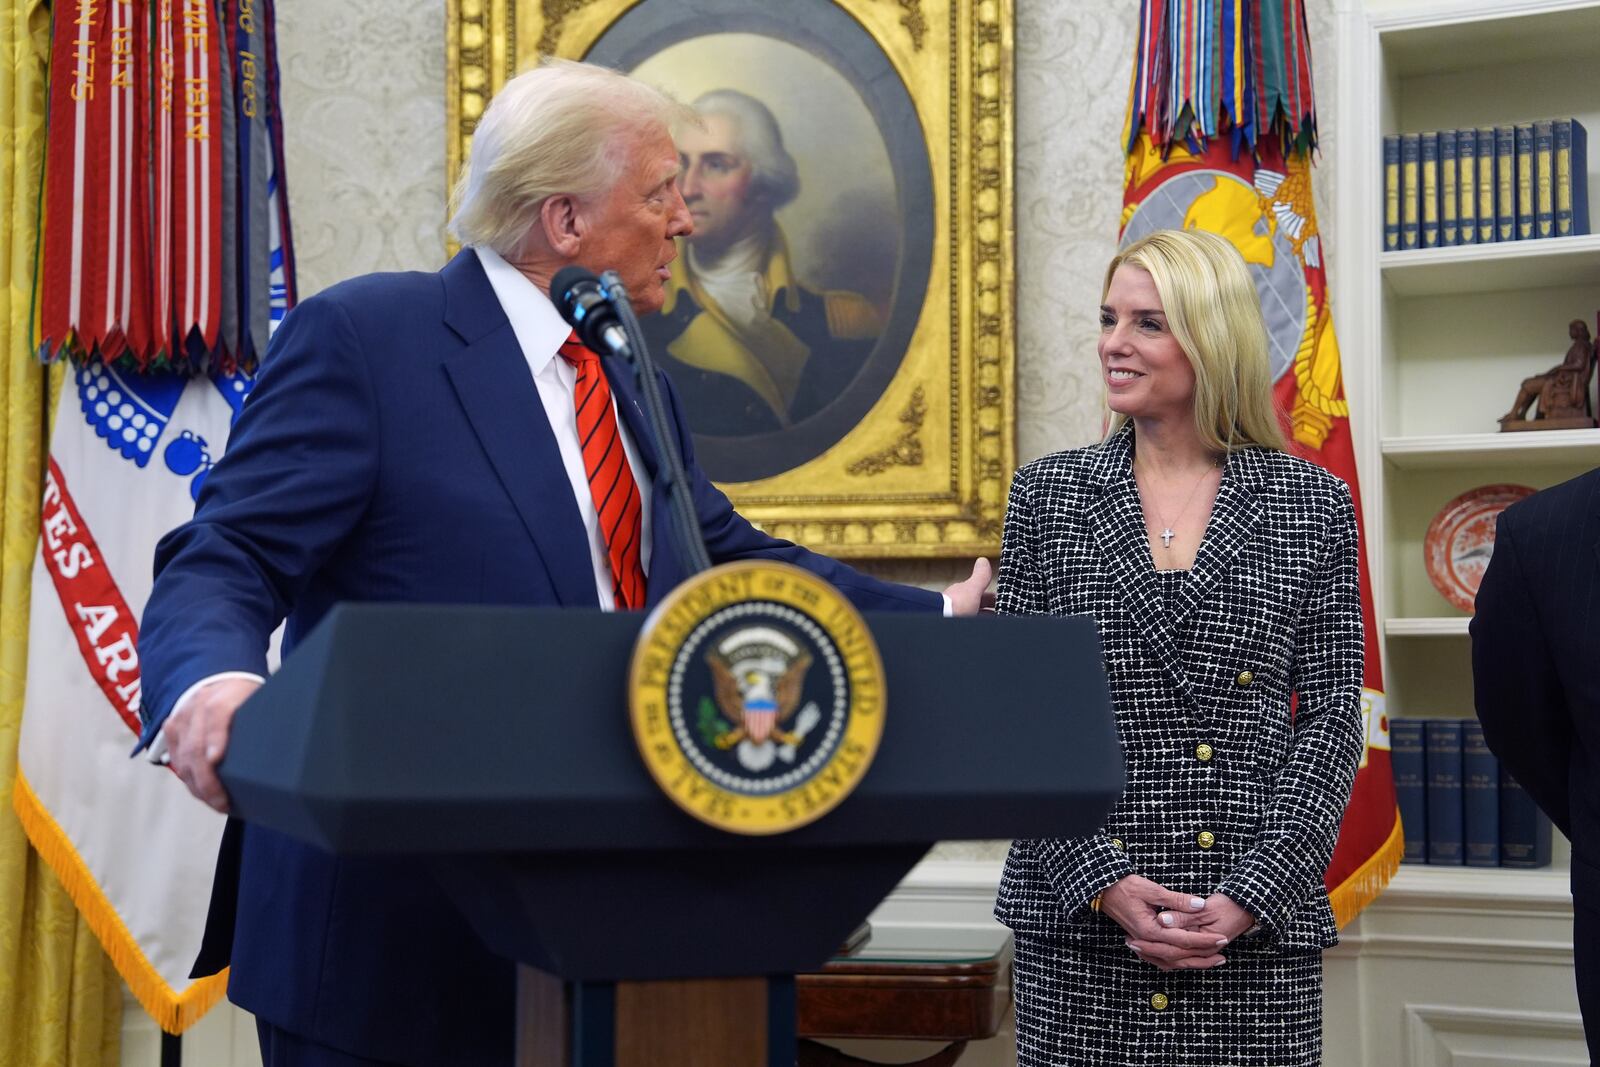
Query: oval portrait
x,y
792,303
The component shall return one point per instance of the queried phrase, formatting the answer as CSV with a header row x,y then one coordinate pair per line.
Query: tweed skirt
x,y
1081,1006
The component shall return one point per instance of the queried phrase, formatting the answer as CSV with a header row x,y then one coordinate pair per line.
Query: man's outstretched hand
x,y
972,595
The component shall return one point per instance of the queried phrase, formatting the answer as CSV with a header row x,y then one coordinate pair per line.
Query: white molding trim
x,y
1451,13
1474,890
968,883
1426,1023
1486,950
943,894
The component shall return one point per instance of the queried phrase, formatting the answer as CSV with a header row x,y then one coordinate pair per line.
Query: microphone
x,y
599,310
588,309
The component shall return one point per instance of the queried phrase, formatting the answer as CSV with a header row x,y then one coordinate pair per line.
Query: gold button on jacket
x,y
1158,1001
1203,752
1245,678
1206,838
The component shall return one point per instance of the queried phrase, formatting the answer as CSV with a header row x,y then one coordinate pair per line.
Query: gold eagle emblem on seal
x,y
756,697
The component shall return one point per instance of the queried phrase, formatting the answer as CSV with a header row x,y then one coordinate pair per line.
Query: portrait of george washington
x,y
792,302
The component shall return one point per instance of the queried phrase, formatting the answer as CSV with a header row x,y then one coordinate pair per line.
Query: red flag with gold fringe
x,y
1221,127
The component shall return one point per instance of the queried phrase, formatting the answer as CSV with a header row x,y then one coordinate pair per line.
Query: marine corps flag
x,y
164,261
1221,126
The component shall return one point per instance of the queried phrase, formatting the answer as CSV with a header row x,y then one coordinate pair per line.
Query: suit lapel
x,y
631,408
1117,522
1591,508
1234,517
492,380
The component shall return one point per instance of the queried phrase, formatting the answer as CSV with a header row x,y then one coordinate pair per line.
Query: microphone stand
x,y
685,523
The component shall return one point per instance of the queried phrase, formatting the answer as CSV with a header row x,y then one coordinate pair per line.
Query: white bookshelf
x,y
1437,340
1435,343
1558,449
1494,268
1426,626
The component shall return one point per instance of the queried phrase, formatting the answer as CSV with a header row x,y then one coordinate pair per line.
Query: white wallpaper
x,y
363,96
363,103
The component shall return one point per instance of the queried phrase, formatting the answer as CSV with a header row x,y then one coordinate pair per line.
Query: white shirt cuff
x,y
157,752
949,608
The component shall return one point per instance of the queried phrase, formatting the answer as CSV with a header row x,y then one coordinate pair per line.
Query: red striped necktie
x,y
611,484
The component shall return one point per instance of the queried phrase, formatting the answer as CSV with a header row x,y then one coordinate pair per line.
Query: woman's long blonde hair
x,y
1214,313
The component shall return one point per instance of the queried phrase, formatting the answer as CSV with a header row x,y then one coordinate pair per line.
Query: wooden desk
x,y
958,990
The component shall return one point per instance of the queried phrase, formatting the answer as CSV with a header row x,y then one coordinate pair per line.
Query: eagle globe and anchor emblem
x,y
756,697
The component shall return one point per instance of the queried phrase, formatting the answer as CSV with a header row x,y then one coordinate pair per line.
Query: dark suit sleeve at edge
x,y
729,536
1515,688
299,470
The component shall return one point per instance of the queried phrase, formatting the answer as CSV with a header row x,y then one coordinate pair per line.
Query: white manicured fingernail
x,y
1165,918
1221,941
213,753
1196,903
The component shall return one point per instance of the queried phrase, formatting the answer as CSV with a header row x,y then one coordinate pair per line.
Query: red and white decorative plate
x,y
1461,537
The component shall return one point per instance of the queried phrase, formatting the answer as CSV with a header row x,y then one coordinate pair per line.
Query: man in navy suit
x,y
415,437
1536,680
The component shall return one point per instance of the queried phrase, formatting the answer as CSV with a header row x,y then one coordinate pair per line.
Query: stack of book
x,y
1484,184
1456,805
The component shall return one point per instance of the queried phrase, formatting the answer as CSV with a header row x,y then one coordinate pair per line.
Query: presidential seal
x,y
757,697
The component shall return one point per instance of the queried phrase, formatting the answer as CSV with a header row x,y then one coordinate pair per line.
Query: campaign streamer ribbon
x,y
197,190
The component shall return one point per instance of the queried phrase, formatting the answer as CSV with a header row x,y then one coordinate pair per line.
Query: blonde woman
x,y
1222,573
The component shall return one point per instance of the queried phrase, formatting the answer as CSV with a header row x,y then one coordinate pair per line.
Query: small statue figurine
x,y
1562,392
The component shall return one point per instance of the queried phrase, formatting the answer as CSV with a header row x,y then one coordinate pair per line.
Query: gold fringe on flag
x,y
1365,883
172,1011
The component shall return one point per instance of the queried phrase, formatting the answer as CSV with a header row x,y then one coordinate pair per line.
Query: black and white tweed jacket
x,y
1231,787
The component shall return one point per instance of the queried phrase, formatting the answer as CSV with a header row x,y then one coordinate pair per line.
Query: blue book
x,y
1410,191
1410,785
1480,797
1430,189
1467,184
1544,205
1447,188
1571,177
1505,183
1524,829
1391,193
1442,738
1485,184
1525,180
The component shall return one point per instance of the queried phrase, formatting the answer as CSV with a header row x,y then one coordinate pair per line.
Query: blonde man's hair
x,y
559,128
1214,313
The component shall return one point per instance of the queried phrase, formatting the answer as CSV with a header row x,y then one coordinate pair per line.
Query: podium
x,y
493,745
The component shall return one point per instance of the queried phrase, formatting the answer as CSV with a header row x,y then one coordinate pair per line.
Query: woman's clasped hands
x,y
1174,931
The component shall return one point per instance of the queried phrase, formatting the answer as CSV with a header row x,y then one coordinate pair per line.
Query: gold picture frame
x,y
922,469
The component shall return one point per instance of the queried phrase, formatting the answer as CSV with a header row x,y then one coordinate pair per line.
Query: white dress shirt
x,y
540,330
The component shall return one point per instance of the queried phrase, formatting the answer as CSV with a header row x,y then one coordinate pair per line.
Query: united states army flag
x,y
130,844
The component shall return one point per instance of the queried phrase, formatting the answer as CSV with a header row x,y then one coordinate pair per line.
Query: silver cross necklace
x,y
1167,533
